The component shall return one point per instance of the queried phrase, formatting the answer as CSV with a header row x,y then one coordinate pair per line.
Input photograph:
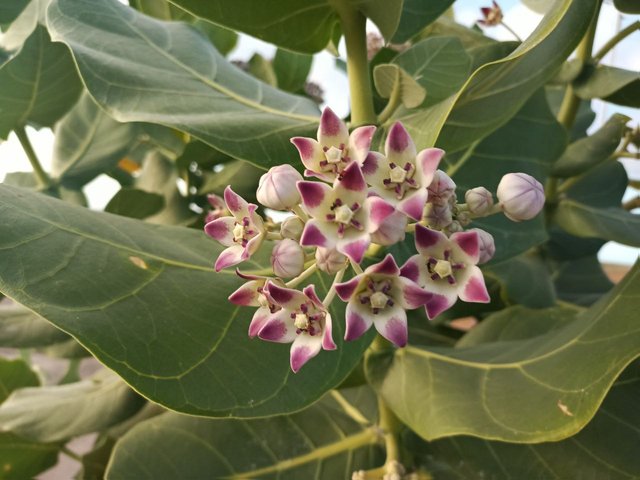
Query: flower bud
x,y
292,228
437,217
486,244
521,196
330,260
392,229
287,259
442,188
277,188
479,201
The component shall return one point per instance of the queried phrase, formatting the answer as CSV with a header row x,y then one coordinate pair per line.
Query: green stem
x,y
355,34
41,176
71,454
511,31
300,213
390,426
274,236
303,276
617,38
332,290
356,268
394,100
349,409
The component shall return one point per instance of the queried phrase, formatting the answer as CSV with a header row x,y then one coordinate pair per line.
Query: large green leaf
x,y
496,91
541,389
145,301
38,85
439,64
291,69
301,25
59,412
605,448
20,458
170,74
611,84
581,281
21,328
417,14
10,9
587,152
319,442
528,143
88,142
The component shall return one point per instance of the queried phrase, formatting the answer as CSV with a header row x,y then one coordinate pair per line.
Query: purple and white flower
x,y
343,217
400,176
218,208
380,296
447,268
335,149
242,233
301,320
253,294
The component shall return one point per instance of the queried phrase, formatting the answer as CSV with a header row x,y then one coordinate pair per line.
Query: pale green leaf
x,y
21,328
611,84
388,77
416,15
292,69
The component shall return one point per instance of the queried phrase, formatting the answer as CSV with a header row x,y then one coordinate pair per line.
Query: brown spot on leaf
x,y
564,409
138,262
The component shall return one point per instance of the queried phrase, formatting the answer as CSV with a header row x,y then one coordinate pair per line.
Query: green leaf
x,y
495,92
21,328
528,143
292,69
10,9
584,117
416,15
470,37
222,38
59,412
611,84
261,69
627,6
605,448
197,91
318,442
134,203
581,281
38,85
145,301
15,374
388,77
525,280
304,26
14,35
88,142
244,178
556,381
585,153
439,64
603,186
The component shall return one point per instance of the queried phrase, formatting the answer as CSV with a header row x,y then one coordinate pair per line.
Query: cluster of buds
x,y
356,201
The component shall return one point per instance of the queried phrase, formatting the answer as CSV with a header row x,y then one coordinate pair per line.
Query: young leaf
x,y
196,91
38,85
144,299
556,381
387,77
319,442
611,84
59,412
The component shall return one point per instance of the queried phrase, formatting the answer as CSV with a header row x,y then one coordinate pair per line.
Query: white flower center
x,y
333,155
301,321
443,268
397,175
343,214
262,300
378,300
238,232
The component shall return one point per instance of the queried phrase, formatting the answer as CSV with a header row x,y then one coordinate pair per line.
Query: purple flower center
x,y
401,179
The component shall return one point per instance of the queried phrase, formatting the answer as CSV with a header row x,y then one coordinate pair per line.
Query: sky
x,y
517,15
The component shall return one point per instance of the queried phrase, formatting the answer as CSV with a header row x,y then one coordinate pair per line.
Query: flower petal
x,y
427,162
310,152
237,205
221,229
411,268
391,323
429,241
392,230
259,319
387,266
278,328
327,334
412,295
229,256
357,321
247,294
439,303
313,236
354,246
287,298
399,147
469,244
377,211
314,195
332,131
345,290
352,180
474,289
413,203
360,142
304,348
310,293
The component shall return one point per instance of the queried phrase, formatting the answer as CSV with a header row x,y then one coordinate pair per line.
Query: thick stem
x,y
616,39
41,176
390,426
355,34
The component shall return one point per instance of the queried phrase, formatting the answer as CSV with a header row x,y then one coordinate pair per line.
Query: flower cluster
x,y
355,201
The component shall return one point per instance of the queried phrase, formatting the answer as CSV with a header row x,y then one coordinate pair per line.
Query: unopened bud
x,y
453,228
330,260
442,188
292,228
437,217
287,259
486,245
479,201
392,229
521,196
277,188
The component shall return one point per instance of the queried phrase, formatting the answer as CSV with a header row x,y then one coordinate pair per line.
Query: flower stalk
x,y
42,178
